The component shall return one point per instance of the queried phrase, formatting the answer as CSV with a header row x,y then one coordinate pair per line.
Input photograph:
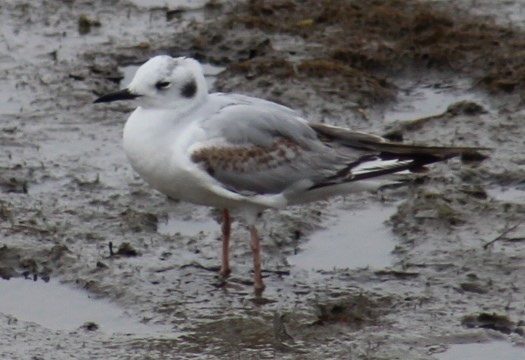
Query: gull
x,y
232,151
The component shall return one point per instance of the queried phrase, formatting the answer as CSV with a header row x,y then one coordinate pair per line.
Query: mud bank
x,y
450,269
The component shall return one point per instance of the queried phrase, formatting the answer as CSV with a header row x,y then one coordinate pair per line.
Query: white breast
x,y
150,139
157,145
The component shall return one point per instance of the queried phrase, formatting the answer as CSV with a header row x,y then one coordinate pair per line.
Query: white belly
x,y
159,155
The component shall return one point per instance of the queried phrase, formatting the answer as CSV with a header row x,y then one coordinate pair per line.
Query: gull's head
x,y
164,82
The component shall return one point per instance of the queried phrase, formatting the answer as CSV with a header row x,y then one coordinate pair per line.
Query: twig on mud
x,y
502,235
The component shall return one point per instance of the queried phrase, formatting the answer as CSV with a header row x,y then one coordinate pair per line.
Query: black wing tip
x,y
474,156
414,163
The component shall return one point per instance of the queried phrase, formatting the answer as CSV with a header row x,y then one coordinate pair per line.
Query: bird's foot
x,y
258,288
225,272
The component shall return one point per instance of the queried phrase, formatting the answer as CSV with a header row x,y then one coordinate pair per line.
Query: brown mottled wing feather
x,y
256,169
254,146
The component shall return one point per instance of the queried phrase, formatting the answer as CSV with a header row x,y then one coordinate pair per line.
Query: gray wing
x,y
256,146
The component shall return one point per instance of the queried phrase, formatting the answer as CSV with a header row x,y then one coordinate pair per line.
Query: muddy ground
x,y
67,191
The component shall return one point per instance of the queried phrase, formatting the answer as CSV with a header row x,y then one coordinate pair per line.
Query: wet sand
x,y
424,277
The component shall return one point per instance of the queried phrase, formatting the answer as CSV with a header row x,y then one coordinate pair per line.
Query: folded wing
x,y
258,147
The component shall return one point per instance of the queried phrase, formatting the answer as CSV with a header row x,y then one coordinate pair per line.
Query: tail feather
x,y
384,157
370,142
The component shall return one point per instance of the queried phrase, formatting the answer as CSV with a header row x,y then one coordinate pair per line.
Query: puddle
x,y
186,225
58,307
487,351
11,103
505,13
51,185
352,239
513,195
424,101
186,4
210,73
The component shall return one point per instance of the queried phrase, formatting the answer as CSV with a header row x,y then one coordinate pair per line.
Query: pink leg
x,y
226,230
256,249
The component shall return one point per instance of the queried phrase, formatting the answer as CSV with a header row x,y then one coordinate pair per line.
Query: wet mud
x,y
448,266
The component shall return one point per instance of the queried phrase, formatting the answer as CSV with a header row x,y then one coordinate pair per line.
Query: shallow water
x,y
487,351
424,101
51,78
186,4
59,307
188,226
45,186
11,104
352,239
508,194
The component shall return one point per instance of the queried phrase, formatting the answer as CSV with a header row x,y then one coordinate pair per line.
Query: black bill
x,y
123,94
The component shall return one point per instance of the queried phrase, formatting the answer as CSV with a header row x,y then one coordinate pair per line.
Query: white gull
x,y
232,151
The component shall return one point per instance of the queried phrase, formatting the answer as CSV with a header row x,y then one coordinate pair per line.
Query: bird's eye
x,y
162,85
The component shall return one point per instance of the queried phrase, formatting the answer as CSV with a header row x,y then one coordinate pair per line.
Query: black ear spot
x,y
189,89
